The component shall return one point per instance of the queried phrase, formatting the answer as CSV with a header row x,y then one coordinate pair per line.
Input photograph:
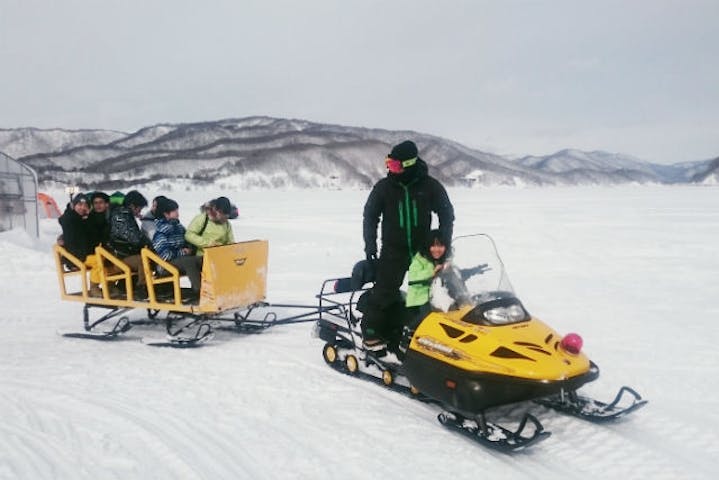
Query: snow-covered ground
x,y
632,269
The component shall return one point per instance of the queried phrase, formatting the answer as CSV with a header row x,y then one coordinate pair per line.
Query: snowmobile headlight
x,y
503,315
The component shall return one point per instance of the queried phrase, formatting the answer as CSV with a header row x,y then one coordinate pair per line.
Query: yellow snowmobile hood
x,y
528,349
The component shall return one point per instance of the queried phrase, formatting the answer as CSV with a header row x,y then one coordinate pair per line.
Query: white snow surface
x,y
632,269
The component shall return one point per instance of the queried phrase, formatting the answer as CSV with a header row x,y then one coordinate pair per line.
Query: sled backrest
x,y
234,276
363,272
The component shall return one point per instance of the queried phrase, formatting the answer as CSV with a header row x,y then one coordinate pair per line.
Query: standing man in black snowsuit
x,y
405,200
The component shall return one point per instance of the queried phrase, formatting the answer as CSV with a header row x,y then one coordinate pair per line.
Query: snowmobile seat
x,y
343,285
363,273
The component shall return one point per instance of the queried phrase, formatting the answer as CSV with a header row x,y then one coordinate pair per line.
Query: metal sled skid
x,y
234,287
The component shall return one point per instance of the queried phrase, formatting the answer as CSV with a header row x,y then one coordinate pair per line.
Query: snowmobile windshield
x,y
475,276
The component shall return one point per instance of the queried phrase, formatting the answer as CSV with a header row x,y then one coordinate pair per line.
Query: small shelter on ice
x,y
18,196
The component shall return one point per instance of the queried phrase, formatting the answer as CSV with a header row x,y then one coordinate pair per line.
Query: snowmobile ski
x,y
121,326
593,410
203,334
495,436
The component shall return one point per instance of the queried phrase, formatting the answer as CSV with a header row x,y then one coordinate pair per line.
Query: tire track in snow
x,y
609,450
621,453
32,455
177,445
422,419
668,437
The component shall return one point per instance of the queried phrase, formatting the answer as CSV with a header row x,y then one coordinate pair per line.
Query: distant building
x,y
472,178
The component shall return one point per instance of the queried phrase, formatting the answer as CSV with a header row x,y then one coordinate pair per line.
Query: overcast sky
x,y
510,77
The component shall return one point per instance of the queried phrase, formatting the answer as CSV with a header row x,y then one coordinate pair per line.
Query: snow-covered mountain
x,y
577,166
707,173
273,152
20,142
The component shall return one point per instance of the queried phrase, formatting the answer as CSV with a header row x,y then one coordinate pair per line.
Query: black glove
x,y
371,256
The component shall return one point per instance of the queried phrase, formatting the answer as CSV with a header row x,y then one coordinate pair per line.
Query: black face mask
x,y
407,176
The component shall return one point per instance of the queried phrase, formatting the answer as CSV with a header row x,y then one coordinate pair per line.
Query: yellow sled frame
x,y
233,277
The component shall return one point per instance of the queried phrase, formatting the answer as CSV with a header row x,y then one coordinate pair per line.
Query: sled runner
x,y
482,350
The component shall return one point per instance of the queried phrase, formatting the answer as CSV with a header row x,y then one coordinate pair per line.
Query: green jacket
x,y
421,272
214,233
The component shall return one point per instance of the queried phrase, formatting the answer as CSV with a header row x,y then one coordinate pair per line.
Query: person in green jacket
x,y
426,264
211,227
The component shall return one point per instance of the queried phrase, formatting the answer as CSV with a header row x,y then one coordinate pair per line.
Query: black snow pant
x,y
385,307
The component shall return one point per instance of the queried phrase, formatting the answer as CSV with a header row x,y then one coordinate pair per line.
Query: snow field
x,y
632,269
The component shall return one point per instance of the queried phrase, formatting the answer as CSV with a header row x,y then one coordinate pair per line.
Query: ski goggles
x,y
398,166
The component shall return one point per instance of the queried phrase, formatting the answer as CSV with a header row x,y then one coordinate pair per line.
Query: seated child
x,y
426,265
170,244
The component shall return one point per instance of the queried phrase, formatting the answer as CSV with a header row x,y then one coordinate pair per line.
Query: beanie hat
x,y
117,198
80,197
166,205
223,205
135,198
406,150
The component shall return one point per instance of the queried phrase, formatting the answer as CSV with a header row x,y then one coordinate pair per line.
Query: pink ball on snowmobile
x,y
572,343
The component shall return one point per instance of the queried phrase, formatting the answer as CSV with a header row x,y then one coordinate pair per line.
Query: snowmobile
x,y
477,349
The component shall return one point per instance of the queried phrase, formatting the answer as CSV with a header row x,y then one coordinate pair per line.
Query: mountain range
x,y
265,152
